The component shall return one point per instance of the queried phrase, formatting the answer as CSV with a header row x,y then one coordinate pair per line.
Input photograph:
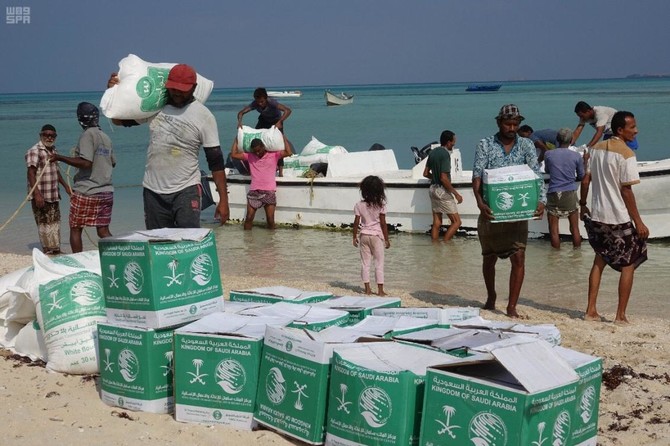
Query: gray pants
x,y
178,210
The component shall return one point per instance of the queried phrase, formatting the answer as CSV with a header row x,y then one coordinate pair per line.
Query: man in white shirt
x,y
614,226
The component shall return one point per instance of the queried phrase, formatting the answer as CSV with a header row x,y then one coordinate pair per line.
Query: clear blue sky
x,y
73,45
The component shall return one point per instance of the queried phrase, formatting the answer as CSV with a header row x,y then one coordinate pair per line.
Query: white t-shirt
x,y
603,117
612,164
176,135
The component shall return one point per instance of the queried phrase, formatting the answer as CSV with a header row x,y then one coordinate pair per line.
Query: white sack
x,y
314,147
272,138
141,91
69,303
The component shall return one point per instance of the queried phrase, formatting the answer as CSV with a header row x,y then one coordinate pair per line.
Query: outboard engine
x,y
420,154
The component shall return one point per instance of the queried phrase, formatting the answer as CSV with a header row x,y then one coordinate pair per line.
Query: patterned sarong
x,y
91,210
260,198
47,219
619,245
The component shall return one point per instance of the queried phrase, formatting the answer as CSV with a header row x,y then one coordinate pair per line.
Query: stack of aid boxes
x,y
153,281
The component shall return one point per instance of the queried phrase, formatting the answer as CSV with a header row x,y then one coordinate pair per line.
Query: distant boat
x,y
483,87
338,99
285,94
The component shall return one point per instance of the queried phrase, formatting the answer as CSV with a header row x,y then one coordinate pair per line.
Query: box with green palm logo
x,y
376,393
511,192
216,368
585,415
294,375
160,278
518,392
136,367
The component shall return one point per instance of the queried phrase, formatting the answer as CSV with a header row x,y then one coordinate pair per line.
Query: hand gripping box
x,y
520,392
511,192
160,278
216,368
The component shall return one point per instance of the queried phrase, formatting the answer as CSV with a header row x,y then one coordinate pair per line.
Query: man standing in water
x,y
505,239
172,194
615,228
443,196
45,198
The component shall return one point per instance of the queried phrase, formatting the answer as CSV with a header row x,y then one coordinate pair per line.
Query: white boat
x,y
329,201
285,94
338,99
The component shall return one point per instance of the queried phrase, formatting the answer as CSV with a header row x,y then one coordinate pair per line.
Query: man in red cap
x,y
172,193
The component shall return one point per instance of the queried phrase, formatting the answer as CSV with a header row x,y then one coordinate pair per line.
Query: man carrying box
x,y
504,239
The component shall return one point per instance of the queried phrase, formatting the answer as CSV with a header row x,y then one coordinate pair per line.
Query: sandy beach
x,y
40,407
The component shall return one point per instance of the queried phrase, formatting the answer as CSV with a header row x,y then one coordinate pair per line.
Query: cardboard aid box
x,y
359,307
520,393
511,192
136,367
585,415
274,294
376,393
445,316
161,277
216,368
294,376
308,317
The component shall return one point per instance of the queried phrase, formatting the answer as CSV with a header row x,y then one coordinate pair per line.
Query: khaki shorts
x,y
562,204
441,201
502,239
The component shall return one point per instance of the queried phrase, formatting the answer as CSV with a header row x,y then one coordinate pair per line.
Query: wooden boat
x,y
483,87
329,201
338,99
285,94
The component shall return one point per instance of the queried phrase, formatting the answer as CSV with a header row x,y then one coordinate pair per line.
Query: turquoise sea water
x,y
396,116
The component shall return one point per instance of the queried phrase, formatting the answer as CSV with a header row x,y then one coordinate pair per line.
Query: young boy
x,y
262,166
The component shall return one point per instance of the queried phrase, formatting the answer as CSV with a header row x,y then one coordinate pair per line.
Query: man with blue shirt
x,y
564,166
544,139
504,239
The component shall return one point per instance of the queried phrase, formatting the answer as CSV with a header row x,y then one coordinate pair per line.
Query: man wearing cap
x,y
93,193
43,180
172,193
504,239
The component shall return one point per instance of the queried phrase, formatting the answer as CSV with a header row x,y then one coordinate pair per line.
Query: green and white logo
x,y
134,277
231,376
488,429
446,426
129,365
86,292
561,429
217,415
300,391
375,406
197,376
275,386
587,404
175,276
202,269
505,201
289,346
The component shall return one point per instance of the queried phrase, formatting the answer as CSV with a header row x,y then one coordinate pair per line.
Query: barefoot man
x,y
615,228
505,239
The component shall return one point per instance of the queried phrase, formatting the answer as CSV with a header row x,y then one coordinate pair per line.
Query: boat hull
x,y
329,202
334,99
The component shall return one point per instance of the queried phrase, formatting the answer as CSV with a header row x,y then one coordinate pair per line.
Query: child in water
x,y
370,221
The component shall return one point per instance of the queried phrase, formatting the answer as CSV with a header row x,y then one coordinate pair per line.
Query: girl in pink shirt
x,y
370,222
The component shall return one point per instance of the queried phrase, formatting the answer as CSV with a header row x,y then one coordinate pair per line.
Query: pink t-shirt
x,y
263,170
369,218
